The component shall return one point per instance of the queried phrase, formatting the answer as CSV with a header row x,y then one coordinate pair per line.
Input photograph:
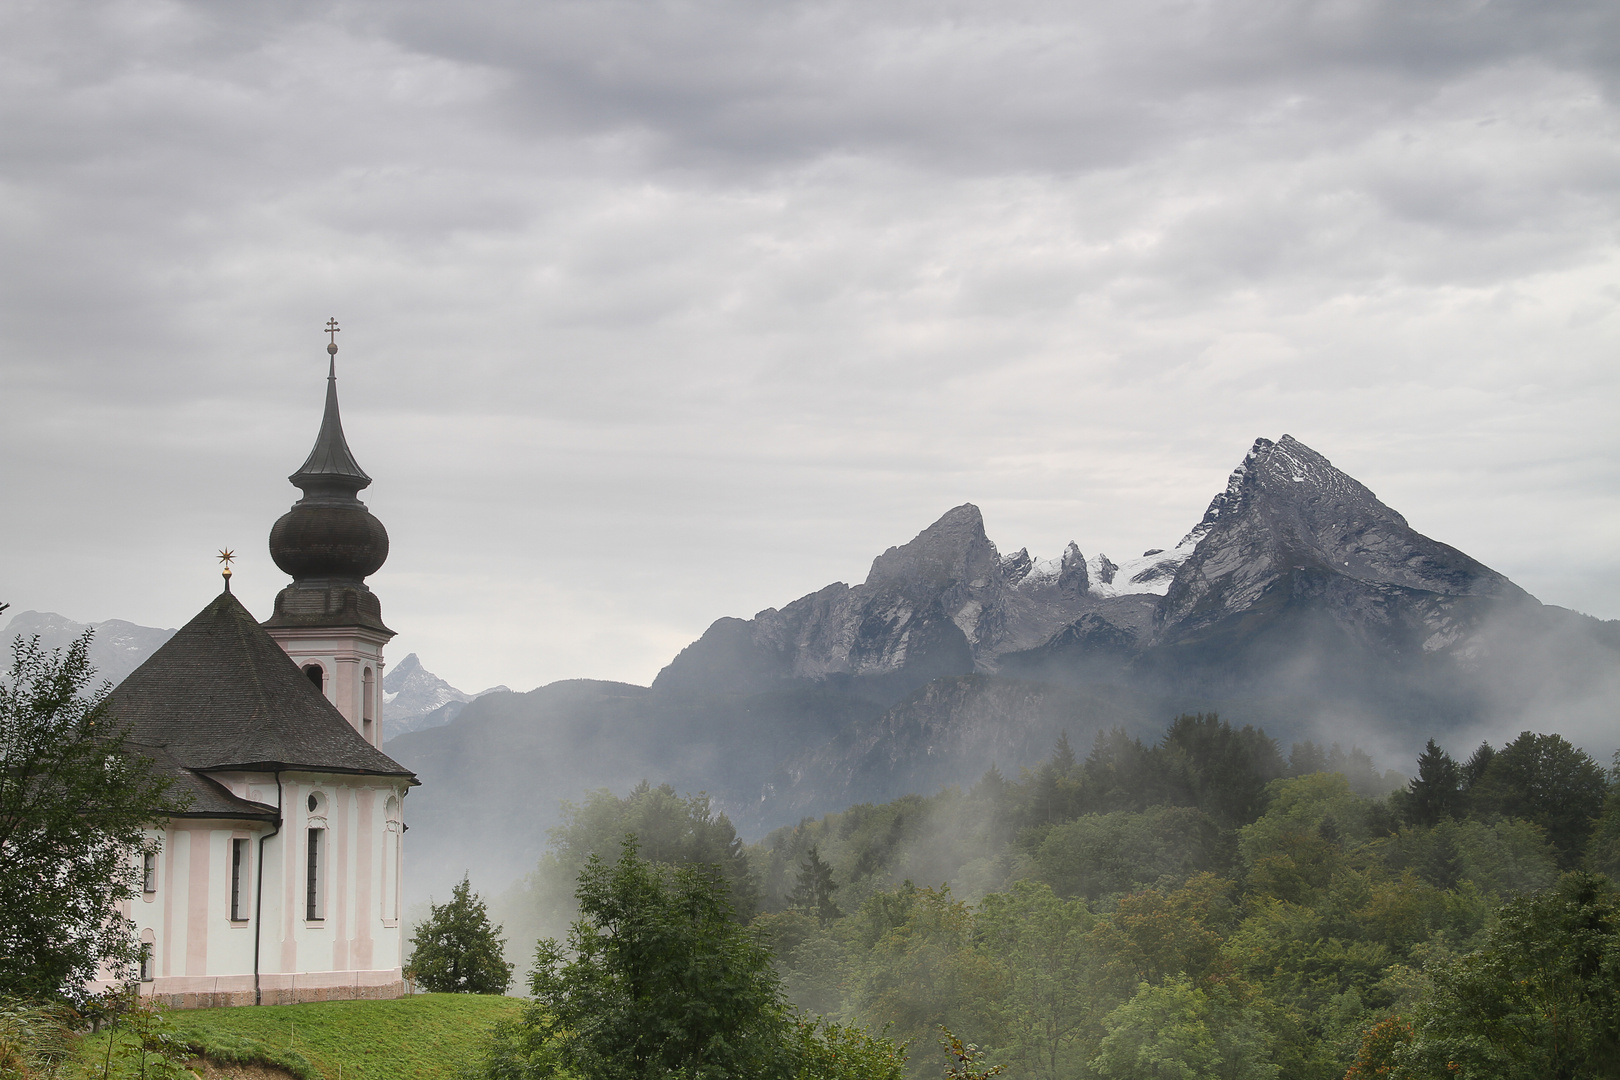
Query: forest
x,y
1200,905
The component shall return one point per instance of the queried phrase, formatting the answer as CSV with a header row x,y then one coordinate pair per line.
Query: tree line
x,y
1198,905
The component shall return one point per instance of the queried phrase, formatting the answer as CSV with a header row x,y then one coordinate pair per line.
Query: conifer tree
x,y
1436,792
814,887
457,951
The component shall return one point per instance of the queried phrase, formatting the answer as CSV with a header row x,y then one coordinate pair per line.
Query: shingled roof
x,y
221,694
209,797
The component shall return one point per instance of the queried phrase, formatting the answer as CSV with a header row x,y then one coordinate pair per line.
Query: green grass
x,y
423,1037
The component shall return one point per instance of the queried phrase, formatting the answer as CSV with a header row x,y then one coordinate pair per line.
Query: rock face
x,y
1288,511
1297,580
947,603
1301,582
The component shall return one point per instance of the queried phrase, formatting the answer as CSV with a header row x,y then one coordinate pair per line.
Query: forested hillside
x,y
1202,901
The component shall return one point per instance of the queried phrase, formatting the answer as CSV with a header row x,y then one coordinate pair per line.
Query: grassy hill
x,y
422,1037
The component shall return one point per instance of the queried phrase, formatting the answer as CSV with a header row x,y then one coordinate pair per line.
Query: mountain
x,y
117,648
415,699
1298,601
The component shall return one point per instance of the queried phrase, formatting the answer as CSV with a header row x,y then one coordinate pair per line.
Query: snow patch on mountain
x,y
1149,574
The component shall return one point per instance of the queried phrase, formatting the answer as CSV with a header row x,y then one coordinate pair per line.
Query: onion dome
x,y
329,542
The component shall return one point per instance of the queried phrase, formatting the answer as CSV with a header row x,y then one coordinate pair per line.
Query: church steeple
x,y
329,536
328,619
330,468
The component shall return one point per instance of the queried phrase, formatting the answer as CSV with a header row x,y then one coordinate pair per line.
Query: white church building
x,y
282,881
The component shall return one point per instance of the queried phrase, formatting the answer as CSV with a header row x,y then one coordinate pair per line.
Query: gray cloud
x,y
659,312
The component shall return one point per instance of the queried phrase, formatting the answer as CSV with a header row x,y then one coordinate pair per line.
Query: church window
x,y
367,709
390,883
312,876
148,941
238,869
314,674
149,872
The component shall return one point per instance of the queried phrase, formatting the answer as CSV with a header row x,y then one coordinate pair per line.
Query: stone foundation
x,y
229,990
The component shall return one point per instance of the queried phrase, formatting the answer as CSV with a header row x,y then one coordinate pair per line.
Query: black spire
x,y
330,469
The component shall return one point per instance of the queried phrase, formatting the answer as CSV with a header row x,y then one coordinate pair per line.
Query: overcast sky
x,y
658,312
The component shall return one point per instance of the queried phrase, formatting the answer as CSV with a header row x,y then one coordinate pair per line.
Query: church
x,y
281,882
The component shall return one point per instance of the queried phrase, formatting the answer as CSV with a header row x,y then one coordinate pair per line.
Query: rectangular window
x,y
312,889
149,872
146,962
238,866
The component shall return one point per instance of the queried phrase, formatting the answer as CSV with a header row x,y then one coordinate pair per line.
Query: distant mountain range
x,y
1298,602
413,697
117,648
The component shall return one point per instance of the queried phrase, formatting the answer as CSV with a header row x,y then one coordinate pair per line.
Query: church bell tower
x,y
328,620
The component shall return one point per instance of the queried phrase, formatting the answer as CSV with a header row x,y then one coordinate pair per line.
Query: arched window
x,y
367,713
390,866
315,856
315,675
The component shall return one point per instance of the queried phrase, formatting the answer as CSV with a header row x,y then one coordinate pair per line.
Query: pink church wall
x,y
202,958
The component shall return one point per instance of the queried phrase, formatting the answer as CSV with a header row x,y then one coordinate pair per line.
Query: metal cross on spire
x,y
333,329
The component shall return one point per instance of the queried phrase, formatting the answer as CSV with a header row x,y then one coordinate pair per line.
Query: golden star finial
x,y
227,556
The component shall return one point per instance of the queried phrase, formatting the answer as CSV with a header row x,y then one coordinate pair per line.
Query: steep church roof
x,y
221,694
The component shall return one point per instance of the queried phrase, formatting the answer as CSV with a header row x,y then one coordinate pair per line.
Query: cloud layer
x,y
657,312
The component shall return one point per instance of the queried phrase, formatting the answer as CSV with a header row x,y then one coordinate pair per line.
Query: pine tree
x,y
456,950
814,887
1474,771
1063,760
1436,793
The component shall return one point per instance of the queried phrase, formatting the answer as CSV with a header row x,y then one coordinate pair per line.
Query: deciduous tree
x,y
75,800
660,980
456,950
1541,999
1545,780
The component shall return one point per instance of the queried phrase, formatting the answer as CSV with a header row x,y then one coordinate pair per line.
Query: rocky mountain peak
x,y
414,697
1016,567
1073,579
1287,510
401,672
953,550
